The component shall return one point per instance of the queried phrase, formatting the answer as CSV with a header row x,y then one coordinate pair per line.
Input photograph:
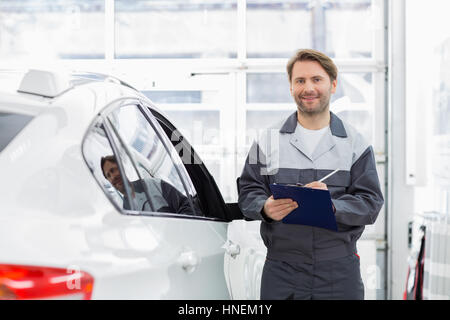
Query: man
x,y
305,262
163,196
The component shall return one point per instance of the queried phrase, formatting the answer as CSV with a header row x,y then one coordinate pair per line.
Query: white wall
x,y
417,28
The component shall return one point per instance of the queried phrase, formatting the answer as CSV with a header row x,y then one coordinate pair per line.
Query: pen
x,y
328,175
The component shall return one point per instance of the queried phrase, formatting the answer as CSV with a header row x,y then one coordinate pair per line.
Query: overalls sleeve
x,y
254,185
364,199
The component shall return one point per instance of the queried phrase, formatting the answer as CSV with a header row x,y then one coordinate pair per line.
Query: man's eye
x,y
317,80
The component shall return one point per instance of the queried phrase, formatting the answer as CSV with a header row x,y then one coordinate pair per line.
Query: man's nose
x,y
115,175
309,86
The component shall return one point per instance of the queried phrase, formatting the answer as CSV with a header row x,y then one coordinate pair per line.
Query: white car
x,y
102,198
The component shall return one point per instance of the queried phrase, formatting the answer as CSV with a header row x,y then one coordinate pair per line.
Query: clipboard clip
x,y
298,184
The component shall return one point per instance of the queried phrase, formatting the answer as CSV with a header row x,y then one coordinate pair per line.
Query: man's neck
x,y
314,121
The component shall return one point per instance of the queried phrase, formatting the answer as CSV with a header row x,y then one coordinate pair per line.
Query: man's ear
x,y
333,86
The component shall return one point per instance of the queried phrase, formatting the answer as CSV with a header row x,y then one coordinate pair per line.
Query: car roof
x,y
37,90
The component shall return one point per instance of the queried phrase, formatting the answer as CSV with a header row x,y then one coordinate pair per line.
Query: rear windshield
x,y
10,126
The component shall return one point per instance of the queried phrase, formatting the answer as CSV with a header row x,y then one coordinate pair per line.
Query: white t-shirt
x,y
310,138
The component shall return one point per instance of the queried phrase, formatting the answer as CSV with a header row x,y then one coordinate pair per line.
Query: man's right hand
x,y
280,208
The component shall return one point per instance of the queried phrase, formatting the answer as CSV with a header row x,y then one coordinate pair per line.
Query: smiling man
x,y
305,262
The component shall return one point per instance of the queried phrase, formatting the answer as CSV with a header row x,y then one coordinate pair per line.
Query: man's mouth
x,y
309,98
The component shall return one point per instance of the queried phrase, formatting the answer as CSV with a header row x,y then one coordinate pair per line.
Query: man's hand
x,y
317,185
280,208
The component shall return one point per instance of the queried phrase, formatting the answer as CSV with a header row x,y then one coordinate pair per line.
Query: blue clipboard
x,y
314,206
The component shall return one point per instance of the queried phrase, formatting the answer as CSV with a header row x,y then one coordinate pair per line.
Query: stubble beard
x,y
324,104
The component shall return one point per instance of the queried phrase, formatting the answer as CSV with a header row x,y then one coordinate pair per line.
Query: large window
x,y
43,30
277,28
175,29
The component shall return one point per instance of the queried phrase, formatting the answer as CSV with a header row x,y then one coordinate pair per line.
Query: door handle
x,y
232,249
189,261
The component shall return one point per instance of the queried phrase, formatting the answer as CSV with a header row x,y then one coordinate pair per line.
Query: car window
x,y
156,183
96,147
10,125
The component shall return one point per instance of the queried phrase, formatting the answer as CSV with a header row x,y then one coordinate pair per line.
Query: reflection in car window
x,y
128,189
95,147
158,187
10,125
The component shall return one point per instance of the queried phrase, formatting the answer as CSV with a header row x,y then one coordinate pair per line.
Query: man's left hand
x,y
317,185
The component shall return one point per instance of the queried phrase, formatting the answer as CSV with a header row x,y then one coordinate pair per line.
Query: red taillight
x,y
31,282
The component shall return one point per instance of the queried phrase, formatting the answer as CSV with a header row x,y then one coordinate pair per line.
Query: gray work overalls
x,y
304,261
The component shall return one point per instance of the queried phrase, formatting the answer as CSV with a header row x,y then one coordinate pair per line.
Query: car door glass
x,y
97,148
158,186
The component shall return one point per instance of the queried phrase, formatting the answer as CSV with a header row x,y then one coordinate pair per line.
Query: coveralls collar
x,y
336,126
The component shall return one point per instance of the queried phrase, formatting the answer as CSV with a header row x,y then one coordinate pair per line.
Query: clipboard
x,y
314,206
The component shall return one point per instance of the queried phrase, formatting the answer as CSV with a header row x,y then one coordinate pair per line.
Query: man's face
x,y
311,87
112,173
